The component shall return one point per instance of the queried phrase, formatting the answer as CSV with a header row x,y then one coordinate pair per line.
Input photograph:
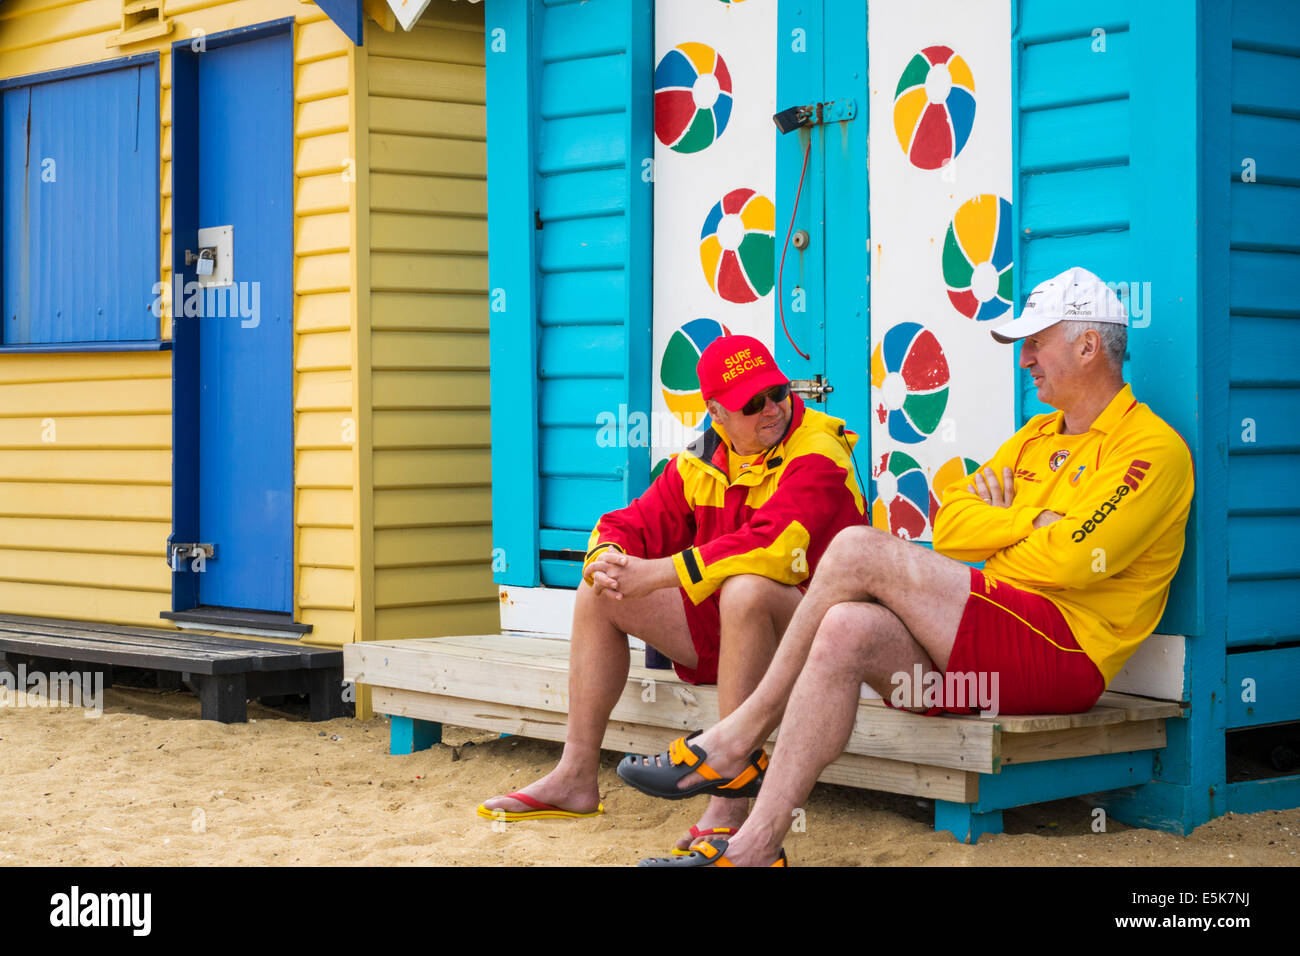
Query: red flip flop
x,y
539,811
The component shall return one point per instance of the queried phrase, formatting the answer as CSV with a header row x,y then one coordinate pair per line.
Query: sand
x,y
148,783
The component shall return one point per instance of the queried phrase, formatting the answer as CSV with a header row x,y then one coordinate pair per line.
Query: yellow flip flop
x,y
540,811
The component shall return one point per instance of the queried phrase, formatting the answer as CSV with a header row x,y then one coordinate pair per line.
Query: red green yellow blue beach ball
x,y
677,376
737,245
934,107
948,472
977,258
692,97
909,382
900,496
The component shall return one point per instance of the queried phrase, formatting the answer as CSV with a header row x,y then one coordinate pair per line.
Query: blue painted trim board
x,y
639,256
103,66
1193,398
159,345
512,287
1024,783
348,16
1252,796
845,202
1017,268
185,332
962,822
406,735
1275,675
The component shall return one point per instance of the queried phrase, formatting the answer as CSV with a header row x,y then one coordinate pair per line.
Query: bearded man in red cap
x,y
707,567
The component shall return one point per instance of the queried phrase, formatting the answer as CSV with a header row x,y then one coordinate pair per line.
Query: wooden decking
x,y
226,671
519,685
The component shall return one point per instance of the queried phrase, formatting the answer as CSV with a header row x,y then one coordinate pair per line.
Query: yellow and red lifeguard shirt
x,y
718,514
1125,490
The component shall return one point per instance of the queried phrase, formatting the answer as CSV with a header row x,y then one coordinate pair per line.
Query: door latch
x,y
179,552
812,389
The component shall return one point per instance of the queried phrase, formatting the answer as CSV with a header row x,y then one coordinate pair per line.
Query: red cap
x,y
735,368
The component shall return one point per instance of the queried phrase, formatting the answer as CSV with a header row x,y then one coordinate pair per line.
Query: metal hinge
x,y
812,389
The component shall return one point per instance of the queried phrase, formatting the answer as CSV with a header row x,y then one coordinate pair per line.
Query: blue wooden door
x,y
825,304
245,466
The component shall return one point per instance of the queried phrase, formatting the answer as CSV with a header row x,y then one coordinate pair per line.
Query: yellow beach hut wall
x,y
84,517
423,98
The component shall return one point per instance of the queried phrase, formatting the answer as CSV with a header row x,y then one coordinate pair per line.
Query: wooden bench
x,y
226,671
972,767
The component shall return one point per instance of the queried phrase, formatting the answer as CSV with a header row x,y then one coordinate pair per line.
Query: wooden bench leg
x,y
325,701
961,821
224,697
407,735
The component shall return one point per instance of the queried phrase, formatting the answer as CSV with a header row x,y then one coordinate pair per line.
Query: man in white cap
x,y
1079,519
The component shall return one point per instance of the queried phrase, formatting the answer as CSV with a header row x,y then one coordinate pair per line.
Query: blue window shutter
x,y
81,220
570,206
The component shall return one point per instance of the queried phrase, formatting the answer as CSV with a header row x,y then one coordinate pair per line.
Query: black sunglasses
x,y
777,393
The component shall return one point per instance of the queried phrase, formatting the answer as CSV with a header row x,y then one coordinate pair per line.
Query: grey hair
x,y
1114,337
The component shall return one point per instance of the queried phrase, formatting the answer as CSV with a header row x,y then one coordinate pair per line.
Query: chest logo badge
x,y
1058,459
1074,478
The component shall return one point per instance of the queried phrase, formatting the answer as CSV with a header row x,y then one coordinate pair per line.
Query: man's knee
x,y
845,637
743,593
855,548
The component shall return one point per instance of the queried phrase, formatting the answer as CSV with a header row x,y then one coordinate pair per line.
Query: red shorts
x,y
1021,654
705,623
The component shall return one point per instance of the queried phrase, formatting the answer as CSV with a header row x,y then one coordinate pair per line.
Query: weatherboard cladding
x,y
1263,259
428,327
1073,173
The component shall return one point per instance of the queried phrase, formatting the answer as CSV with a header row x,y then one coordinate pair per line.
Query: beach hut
x,y
641,203
243,359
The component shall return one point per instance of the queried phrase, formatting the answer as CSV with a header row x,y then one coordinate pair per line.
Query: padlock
x,y
207,262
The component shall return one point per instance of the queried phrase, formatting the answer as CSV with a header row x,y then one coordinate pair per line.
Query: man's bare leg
x,y
856,642
925,590
755,612
598,666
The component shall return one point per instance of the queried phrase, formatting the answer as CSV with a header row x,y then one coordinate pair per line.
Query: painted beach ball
x,y
977,258
948,472
934,107
677,376
901,496
692,97
909,382
737,245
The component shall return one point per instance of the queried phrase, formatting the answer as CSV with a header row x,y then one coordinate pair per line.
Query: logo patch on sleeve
x,y
1137,470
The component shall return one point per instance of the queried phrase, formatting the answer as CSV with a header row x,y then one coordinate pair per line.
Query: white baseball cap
x,y
1075,295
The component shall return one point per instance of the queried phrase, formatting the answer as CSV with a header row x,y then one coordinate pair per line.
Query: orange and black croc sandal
x,y
658,775
709,853
697,833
